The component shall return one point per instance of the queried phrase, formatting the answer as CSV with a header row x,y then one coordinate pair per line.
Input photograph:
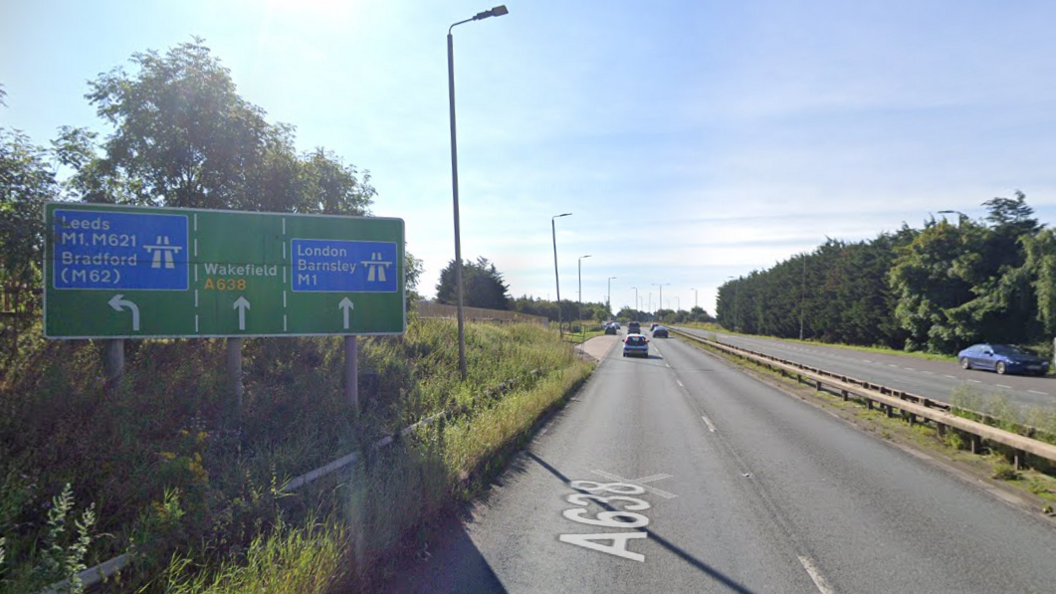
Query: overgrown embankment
x,y
159,467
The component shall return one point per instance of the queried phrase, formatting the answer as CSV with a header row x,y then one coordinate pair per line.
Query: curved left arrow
x,y
120,304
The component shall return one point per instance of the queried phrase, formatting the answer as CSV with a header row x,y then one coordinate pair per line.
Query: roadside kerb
x,y
927,408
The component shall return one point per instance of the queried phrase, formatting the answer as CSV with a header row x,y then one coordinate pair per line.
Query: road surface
x,y
933,379
726,485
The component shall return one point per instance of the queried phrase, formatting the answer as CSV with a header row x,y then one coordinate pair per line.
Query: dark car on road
x,y
634,328
1002,359
636,345
610,328
660,332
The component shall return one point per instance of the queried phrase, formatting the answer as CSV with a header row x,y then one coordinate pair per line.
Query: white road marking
x,y
890,365
679,384
707,421
974,382
1003,386
949,376
654,490
909,369
867,360
816,576
1037,392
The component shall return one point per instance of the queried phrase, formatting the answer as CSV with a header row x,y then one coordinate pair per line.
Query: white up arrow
x,y
241,305
120,304
346,305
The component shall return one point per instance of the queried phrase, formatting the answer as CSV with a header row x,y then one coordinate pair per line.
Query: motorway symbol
x,y
120,304
345,306
241,305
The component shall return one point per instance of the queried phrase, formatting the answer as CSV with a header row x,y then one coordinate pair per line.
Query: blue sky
x,y
692,141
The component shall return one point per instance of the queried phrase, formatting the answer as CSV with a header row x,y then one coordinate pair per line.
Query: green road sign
x,y
137,272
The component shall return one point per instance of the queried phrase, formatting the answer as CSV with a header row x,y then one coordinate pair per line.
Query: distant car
x,y
636,345
653,326
617,324
1002,359
634,328
660,331
610,329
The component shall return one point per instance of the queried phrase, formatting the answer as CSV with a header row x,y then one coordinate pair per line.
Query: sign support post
x,y
352,372
115,364
234,378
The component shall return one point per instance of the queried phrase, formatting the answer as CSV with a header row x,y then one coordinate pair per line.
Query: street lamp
x,y
608,296
963,217
579,298
696,301
557,279
661,305
497,11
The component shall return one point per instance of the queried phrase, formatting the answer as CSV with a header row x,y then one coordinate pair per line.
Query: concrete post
x,y
352,372
114,363
234,377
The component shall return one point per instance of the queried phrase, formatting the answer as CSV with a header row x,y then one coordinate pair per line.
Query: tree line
x,y
936,289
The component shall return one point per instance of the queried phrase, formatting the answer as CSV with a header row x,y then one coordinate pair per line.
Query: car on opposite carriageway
x,y
1002,358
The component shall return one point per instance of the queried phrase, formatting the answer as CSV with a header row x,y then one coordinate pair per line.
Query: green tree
x,y
482,285
27,181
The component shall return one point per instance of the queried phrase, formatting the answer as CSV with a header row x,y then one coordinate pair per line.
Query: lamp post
x,y
736,288
557,279
579,297
678,303
637,304
497,11
608,295
696,301
661,305
802,295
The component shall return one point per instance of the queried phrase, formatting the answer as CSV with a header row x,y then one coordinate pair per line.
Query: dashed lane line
x,y
815,575
1037,392
707,421
1003,386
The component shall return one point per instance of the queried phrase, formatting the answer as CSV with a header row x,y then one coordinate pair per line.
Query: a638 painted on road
x,y
622,513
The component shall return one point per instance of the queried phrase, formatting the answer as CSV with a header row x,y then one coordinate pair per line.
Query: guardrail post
x,y
817,385
869,403
844,394
889,410
975,443
1019,459
941,429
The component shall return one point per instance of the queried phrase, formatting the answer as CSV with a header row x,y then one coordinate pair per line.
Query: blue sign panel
x,y
119,250
337,266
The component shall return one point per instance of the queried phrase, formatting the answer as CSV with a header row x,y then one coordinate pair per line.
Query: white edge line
x,y
1003,386
707,421
974,382
816,576
1037,392
679,384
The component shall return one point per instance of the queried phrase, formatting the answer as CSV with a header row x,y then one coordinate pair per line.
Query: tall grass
x,y
168,470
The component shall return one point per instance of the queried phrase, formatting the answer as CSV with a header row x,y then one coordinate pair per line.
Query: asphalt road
x,y
934,379
732,486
